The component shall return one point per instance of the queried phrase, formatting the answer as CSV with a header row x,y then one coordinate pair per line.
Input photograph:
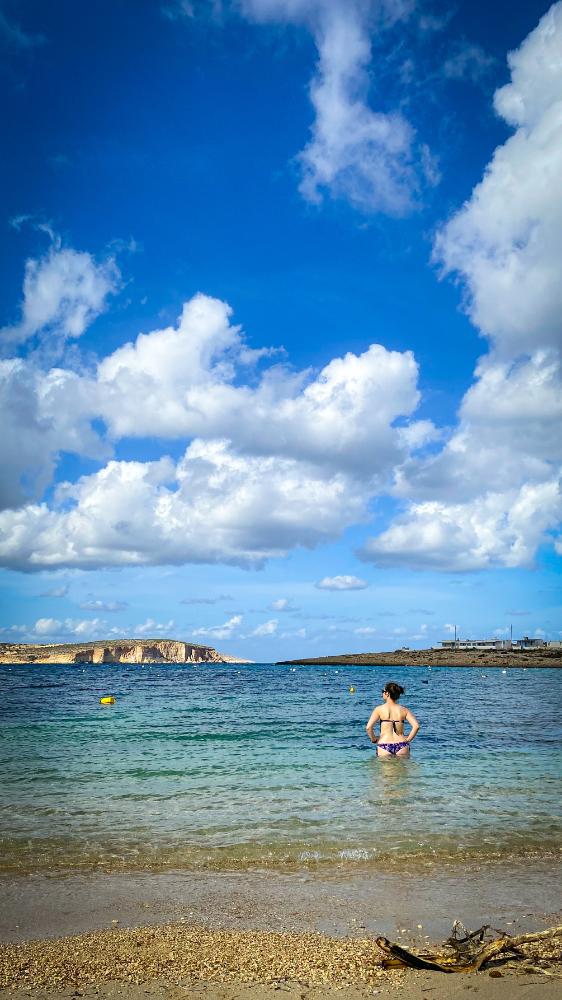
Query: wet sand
x,y
413,986
518,896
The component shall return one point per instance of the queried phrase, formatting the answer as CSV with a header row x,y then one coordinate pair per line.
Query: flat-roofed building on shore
x,y
493,644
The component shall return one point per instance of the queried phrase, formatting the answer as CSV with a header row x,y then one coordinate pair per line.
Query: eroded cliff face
x,y
121,651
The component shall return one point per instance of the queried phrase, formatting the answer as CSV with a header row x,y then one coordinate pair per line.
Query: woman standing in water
x,y
392,716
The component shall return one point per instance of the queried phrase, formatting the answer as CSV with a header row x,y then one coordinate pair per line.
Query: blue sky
x,y
281,305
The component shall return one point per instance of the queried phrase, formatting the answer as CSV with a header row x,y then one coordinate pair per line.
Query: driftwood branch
x,y
399,957
471,954
551,932
538,969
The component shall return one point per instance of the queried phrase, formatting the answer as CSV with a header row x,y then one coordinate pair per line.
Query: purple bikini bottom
x,y
392,748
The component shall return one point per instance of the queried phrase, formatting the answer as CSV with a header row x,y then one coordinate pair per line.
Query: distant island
x,y
541,657
114,651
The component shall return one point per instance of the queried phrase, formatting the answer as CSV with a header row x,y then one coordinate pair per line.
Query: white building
x,y
475,644
492,644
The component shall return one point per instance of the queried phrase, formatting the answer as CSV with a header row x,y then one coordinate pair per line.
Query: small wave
x,y
355,854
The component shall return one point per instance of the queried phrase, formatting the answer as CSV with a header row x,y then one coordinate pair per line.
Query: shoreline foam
x,y
56,859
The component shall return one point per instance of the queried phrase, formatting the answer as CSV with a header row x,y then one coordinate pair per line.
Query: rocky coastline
x,y
441,658
118,651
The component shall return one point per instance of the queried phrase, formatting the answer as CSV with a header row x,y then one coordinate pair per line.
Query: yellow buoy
x,y
352,690
110,700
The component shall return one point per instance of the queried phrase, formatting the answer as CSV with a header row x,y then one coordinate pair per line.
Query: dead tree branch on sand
x,y
470,954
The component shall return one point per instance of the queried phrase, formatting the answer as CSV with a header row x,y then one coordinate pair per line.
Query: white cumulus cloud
x,y
266,628
47,626
491,495
342,583
213,506
189,379
56,592
283,604
224,631
70,628
41,414
506,241
338,424
495,529
365,156
97,605
63,292
152,627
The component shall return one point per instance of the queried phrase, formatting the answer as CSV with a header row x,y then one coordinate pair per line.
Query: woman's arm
x,y
410,717
371,724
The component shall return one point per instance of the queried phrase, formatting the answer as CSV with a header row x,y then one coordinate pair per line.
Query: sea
x,y
259,767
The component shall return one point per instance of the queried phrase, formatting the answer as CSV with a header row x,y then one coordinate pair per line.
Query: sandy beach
x,y
414,986
237,937
177,960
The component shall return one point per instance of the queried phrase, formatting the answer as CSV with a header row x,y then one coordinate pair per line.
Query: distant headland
x,y
114,651
541,657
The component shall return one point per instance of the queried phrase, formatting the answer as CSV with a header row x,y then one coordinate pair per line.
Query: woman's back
x,y
391,718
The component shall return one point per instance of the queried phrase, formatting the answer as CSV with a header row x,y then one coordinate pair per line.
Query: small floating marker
x,y
352,690
108,700
504,671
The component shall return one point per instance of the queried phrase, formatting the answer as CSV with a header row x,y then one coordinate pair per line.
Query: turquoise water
x,y
262,766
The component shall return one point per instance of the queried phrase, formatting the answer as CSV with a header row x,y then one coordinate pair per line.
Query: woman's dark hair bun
x,y
394,690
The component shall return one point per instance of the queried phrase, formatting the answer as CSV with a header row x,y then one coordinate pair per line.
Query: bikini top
x,y
393,721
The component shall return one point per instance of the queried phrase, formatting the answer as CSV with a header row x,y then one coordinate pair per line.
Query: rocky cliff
x,y
119,651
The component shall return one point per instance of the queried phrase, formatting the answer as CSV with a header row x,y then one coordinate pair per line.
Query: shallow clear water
x,y
261,766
